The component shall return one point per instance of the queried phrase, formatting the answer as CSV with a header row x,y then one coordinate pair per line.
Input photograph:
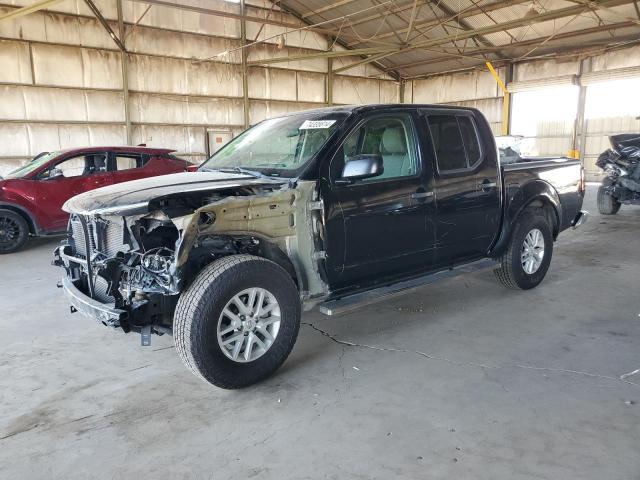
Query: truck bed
x,y
562,174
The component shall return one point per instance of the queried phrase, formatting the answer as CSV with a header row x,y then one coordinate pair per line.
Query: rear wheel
x,y
14,231
528,256
238,321
607,204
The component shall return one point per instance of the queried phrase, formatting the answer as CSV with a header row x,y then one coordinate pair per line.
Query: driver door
x,y
379,227
65,179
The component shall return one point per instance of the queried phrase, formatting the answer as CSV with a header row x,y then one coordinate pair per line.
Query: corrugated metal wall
x,y
545,106
61,80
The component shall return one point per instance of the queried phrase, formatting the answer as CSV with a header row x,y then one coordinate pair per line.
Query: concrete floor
x,y
490,383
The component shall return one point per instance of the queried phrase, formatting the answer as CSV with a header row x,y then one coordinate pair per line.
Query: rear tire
x,y
14,231
522,265
607,205
206,313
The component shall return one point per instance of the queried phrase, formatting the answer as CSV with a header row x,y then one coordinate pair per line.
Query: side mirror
x,y
54,173
361,167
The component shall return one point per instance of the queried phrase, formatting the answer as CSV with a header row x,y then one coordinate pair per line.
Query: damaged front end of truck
x,y
128,260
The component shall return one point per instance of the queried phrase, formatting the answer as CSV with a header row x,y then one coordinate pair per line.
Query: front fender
x,y
535,192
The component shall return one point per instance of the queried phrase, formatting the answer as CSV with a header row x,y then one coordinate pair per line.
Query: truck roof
x,y
375,106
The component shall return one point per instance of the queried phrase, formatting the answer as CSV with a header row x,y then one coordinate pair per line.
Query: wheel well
x,y
201,256
549,211
276,255
27,218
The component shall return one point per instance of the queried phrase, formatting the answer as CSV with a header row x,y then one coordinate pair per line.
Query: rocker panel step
x,y
352,302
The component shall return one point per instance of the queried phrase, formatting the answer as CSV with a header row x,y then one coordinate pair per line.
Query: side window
x,y
470,139
73,167
392,138
455,142
447,142
127,162
97,163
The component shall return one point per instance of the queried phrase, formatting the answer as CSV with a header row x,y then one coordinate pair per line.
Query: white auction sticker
x,y
309,124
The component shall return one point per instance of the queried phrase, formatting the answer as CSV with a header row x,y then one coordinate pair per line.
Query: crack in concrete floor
x,y
621,378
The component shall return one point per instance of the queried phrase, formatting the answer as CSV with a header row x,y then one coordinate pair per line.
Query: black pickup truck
x,y
332,208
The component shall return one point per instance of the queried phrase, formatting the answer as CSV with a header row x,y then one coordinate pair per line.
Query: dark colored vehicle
x,y
621,164
335,208
32,196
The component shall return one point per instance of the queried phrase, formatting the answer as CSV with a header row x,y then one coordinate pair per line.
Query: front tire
x,y
14,231
525,262
238,321
607,205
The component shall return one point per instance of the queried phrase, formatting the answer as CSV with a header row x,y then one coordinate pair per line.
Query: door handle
x,y
486,185
417,195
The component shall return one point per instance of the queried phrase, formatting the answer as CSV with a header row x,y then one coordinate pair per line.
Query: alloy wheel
x,y
532,252
248,325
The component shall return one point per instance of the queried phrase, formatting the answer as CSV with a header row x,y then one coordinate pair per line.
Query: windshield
x,y
281,146
32,165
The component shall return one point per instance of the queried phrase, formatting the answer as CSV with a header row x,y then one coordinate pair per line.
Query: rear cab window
x,y
455,141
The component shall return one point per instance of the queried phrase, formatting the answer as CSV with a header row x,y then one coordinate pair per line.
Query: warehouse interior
x,y
456,380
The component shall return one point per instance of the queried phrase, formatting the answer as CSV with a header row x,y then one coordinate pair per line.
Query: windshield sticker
x,y
314,124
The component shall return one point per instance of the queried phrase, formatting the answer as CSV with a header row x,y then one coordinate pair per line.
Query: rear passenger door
x,y
466,186
124,167
380,226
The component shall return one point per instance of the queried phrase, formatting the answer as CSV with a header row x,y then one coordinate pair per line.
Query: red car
x,y
32,196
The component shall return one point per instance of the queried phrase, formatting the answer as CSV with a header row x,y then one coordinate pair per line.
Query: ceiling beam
x,y
522,44
465,13
235,16
19,12
325,54
248,18
586,49
474,33
463,24
399,8
326,8
379,56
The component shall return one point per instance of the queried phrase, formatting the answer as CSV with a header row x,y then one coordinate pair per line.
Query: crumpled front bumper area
x,y
107,315
75,290
151,313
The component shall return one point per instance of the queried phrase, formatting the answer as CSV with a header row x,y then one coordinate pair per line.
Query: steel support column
x,y
329,93
245,80
579,130
124,65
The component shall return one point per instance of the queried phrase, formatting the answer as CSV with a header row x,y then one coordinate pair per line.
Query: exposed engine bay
x,y
139,263
621,164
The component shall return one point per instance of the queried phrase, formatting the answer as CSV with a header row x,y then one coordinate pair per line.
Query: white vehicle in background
x,y
516,149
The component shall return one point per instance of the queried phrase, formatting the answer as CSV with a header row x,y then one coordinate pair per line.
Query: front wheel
x,y
607,204
14,231
238,321
528,256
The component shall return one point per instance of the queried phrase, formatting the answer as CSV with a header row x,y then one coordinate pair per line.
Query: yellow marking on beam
x,y
503,87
